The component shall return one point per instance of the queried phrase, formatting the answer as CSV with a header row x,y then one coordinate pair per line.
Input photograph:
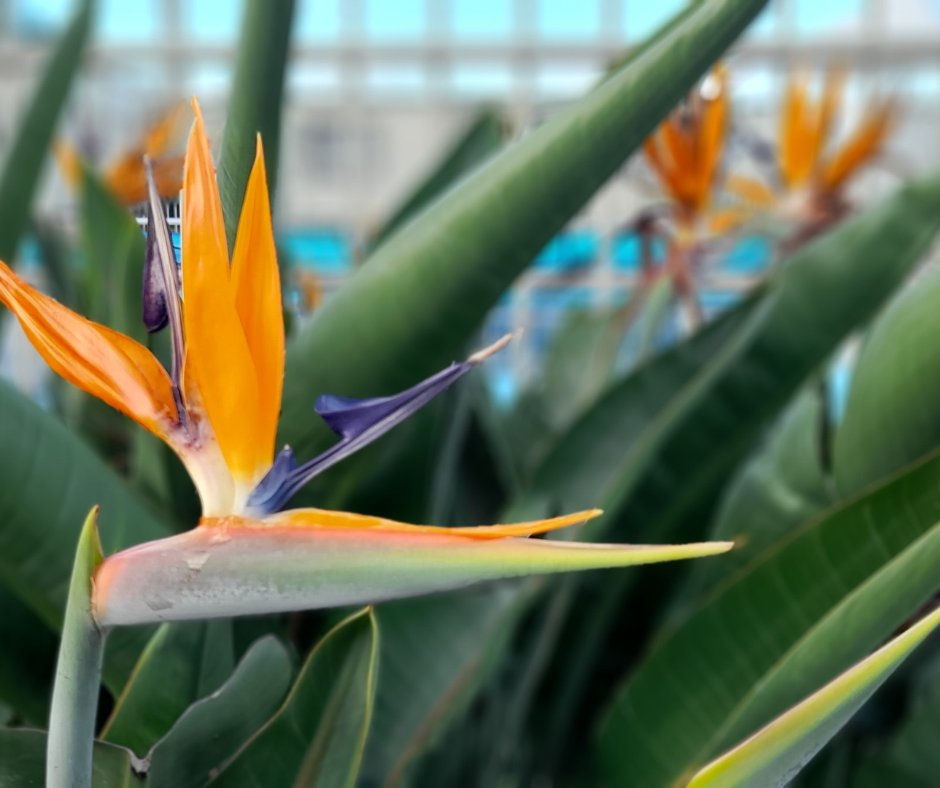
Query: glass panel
x,y
642,18
813,18
401,19
212,20
482,80
567,20
488,19
566,81
395,79
119,21
318,20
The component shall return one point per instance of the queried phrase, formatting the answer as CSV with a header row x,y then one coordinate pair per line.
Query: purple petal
x,y
358,422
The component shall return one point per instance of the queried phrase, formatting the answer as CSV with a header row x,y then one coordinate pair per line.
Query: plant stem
x,y
78,673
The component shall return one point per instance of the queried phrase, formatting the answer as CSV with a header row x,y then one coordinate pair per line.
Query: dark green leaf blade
x,y
181,664
51,480
891,404
23,761
27,154
317,737
255,104
212,730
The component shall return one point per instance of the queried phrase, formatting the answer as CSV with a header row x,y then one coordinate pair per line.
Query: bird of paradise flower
x,y
125,177
812,171
217,408
685,154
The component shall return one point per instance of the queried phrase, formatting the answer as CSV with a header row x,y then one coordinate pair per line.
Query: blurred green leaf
x,y
181,664
56,261
113,248
891,405
781,486
23,761
51,479
428,288
27,663
27,154
318,735
773,755
802,612
481,137
910,757
256,103
433,655
212,730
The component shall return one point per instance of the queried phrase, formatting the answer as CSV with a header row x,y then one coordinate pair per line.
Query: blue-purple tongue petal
x,y
358,422
349,417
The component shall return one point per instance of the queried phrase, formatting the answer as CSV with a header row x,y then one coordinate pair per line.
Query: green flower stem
x,y
78,673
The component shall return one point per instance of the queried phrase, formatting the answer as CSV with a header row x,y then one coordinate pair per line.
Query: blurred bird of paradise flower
x,y
217,408
125,177
685,154
812,169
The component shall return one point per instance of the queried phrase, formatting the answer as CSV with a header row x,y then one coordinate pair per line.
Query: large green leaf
x,y
27,663
781,486
773,755
212,730
112,273
23,761
255,103
482,137
891,417
181,664
433,656
429,286
51,479
318,735
27,154
804,611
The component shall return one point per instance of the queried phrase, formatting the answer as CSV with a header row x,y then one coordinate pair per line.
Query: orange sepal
x,y
104,363
795,149
218,372
324,518
256,286
862,146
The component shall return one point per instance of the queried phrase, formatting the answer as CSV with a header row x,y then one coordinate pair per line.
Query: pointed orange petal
x,y
794,164
69,162
711,138
165,132
861,147
218,372
325,518
102,362
257,288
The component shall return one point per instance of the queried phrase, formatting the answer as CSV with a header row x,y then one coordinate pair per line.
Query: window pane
x,y
487,19
564,19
